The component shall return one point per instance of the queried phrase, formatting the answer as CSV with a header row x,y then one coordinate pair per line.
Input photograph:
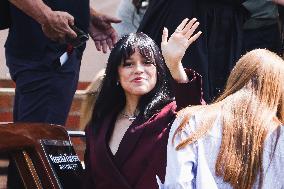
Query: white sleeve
x,y
181,164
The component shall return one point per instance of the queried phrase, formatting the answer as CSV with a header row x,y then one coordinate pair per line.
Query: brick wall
x,y
73,121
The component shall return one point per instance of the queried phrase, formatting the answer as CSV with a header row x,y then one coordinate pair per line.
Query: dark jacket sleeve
x,y
188,93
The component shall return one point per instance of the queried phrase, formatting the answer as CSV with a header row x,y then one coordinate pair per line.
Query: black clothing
x,y
215,53
267,37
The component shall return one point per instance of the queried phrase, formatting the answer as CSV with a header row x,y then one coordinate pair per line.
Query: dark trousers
x,y
44,88
267,37
44,92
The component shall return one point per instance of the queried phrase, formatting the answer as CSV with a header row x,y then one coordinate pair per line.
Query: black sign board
x,y
64,162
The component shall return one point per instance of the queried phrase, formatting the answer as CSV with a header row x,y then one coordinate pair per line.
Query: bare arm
x,y
55,24
29,7
173,49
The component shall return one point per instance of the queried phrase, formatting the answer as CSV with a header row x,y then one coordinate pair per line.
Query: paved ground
x,y
92,61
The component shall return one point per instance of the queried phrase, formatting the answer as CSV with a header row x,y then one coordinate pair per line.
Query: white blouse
x,y
194,166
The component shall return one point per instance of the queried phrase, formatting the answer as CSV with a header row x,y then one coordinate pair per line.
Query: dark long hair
x,y
112,95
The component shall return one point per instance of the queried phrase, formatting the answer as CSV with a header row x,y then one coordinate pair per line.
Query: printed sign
x,y
64,162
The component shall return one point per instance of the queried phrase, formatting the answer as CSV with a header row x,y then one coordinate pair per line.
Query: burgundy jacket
x,y
142,152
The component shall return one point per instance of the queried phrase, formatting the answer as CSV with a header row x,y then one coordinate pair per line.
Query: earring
x,y
117,83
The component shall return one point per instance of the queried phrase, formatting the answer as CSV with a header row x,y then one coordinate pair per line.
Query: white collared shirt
x,y
193,167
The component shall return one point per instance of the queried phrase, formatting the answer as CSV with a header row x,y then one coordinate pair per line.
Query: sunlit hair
x,y
89,99
112,95
250,107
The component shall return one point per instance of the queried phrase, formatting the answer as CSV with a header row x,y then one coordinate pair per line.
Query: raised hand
x,y
174,48
102,32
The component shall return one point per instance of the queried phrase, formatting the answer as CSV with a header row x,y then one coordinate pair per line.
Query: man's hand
x,y
102,32
57,26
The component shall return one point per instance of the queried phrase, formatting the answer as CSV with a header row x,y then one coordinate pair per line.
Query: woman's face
x,y
137,75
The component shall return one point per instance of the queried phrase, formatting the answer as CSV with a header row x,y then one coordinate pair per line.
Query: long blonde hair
x,y
251,106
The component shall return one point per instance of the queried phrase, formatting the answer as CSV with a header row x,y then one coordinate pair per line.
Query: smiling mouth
x,y
138,79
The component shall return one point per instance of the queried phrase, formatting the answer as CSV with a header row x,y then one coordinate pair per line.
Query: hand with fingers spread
x,y
102,32
174,48
57,26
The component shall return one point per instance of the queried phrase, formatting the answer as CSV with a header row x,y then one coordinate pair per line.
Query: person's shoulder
x,y
184,124
275,141
197,118
171,106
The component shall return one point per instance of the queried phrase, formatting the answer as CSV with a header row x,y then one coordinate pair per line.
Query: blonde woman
x,y
238,141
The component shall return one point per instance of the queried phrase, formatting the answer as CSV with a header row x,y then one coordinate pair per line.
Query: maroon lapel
x,y
105,161
129,140
135,131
